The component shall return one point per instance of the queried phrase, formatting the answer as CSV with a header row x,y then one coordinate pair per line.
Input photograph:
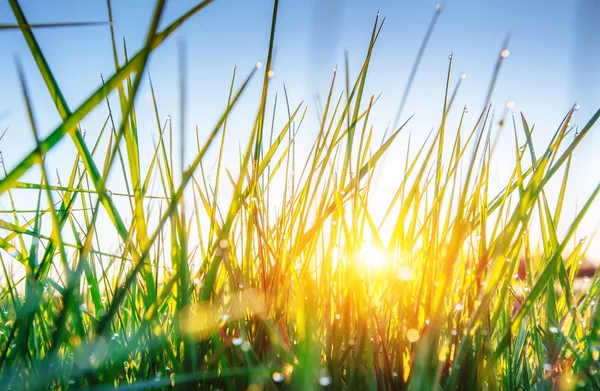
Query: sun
x,y
373,256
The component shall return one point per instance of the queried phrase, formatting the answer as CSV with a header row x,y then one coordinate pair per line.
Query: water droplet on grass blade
x,y
547,367
553,330
271,74
439,7
466,109
324,377
246,346
459,307
258,64
277,377
412,335
510,104
405,273
504,53
463,76
237,341
576,107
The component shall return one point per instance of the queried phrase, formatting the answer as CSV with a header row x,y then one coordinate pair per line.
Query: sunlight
x,y
374,256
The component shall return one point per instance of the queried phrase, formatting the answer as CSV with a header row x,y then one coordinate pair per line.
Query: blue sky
x,y
554,61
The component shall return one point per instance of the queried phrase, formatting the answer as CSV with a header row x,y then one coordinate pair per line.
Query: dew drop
x,y
547,367
270,74
324,378
463,76
412,335
576,107
504,53
459,307
454,332
224,243
510,104
553,330
405,273
237,341
258,64
450,56
246,346
439,8
338,317
277,377
466,109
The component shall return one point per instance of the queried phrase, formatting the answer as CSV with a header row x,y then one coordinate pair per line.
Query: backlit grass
x,y
318,292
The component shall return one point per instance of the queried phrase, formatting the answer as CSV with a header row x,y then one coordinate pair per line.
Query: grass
x,y
205,294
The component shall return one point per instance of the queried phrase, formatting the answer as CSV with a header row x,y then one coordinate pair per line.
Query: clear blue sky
x,y
554,61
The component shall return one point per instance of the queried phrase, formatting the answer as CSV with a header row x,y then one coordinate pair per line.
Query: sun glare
x,y
374,257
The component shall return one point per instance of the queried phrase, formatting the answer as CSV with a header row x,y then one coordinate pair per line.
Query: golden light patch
x,y
374,256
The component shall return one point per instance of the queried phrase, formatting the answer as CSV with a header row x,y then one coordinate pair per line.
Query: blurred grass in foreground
x,y
298,299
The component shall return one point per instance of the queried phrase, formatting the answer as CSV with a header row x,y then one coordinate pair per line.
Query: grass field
x,y
205,294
